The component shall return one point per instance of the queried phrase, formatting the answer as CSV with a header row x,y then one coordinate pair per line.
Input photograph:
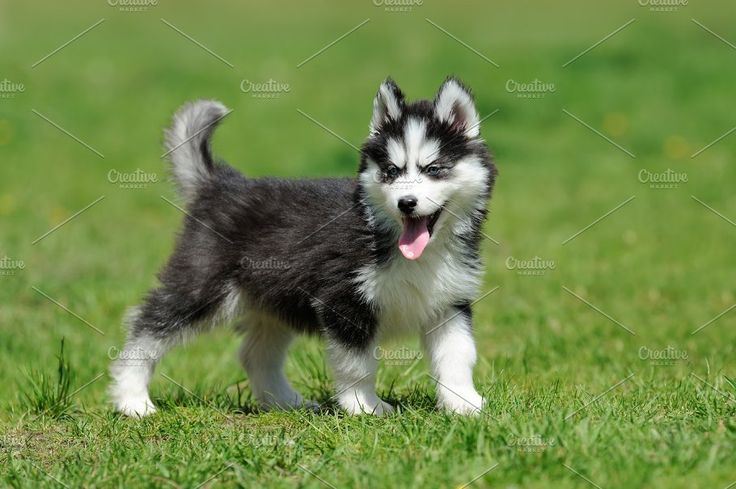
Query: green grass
x,y
48,395
550,365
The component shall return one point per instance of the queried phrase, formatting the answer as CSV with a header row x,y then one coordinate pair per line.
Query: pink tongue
x,y
414,238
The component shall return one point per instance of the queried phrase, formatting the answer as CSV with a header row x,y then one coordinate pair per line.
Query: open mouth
x,y
416,233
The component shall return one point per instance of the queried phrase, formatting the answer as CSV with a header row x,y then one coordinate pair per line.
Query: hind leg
x,y
133,368
131,375
262,354
162,322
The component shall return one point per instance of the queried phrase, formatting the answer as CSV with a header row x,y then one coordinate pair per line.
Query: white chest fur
x,y
411,295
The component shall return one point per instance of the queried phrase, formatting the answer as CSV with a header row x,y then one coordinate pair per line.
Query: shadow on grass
x,y
236,399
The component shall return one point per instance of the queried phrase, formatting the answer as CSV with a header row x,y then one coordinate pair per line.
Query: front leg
x,y
451,350
350,328
355,379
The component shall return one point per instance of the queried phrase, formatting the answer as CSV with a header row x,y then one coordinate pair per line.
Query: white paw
x,y
467,403
135,407
375,406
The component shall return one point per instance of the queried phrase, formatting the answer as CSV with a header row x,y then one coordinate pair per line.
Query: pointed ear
x,y
454,104
388,104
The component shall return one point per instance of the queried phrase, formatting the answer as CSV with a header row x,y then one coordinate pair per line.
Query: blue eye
x,y
392,171
432,170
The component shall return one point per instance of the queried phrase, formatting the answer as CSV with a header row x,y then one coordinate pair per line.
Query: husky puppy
x,y
394,251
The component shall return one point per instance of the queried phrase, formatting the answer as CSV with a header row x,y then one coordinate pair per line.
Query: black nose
x,y
407,204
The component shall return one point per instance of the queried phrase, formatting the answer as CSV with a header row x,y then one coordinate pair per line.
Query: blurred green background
x,y
647,99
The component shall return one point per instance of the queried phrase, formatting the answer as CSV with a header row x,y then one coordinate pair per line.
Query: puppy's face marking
x,y
422,165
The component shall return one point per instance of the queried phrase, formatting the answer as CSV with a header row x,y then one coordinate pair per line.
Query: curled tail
x,y
187,144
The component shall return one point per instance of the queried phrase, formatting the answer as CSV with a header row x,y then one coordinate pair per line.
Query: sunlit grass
x,y
572,394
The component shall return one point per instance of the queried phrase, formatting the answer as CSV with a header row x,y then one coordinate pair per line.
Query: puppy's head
x,y
424,167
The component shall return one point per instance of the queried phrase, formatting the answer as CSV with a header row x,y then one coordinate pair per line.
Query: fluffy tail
x,y
187,144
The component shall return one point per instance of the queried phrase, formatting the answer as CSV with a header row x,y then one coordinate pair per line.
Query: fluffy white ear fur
x,y
455,104
388,104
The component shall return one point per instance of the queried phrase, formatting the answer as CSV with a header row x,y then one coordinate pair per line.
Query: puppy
x,y
392,252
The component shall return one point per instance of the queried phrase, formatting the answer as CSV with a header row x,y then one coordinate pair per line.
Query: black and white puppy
x,y
394,251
